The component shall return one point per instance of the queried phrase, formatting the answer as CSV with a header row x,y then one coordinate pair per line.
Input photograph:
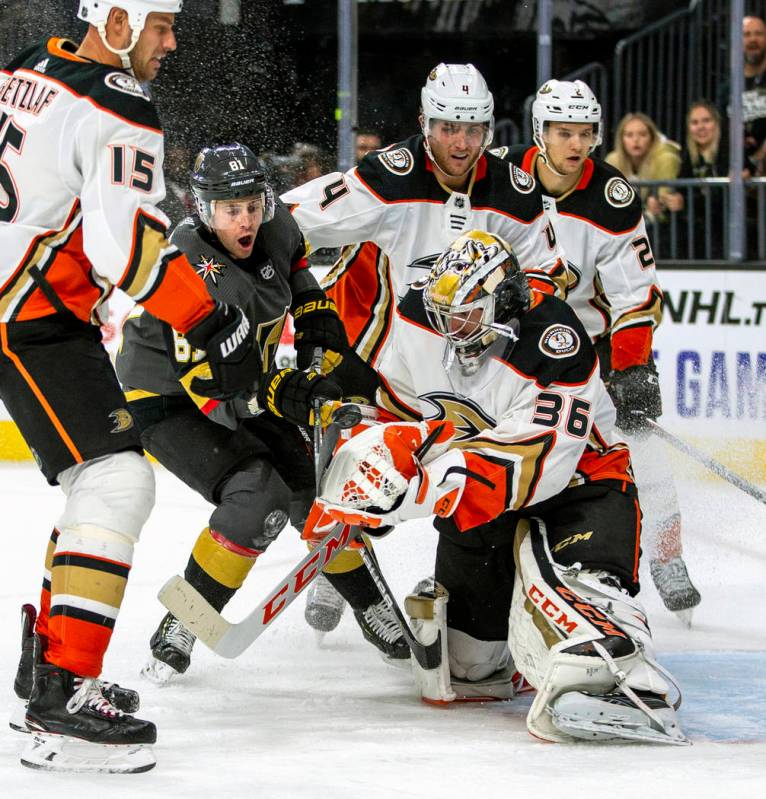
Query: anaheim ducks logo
x,y
209,268
399,161
618,192
126,84
122,420
559,341
523,182
467,416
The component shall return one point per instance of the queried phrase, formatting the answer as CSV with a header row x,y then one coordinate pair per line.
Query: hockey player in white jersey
x,y
400,207
81,152
510,442
598,218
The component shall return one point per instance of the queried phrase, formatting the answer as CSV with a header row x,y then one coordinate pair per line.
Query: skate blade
x,y
17,722
396,663
615,730
157,672
66,754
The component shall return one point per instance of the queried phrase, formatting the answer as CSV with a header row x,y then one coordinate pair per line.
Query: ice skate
x,y
675,588
124,699
498,687
75,728
171,647
380,627
324,607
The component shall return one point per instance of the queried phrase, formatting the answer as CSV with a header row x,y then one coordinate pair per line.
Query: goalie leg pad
x,y
575,631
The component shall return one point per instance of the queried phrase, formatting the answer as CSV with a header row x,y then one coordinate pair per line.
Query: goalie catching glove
x,y
290,394
232,361
388,474
317,324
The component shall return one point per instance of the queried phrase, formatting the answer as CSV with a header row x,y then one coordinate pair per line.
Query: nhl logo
x,y
559,341
618,192
267,271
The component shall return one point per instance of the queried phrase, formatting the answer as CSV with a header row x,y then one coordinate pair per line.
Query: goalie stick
x,y
230,639
710,463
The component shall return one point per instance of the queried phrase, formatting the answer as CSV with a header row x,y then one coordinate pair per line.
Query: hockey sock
x,y
41,626
668,539
89,571
218,567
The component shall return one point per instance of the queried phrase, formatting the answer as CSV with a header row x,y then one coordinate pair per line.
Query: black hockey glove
x,y
234,361
317,324
290,394
635,392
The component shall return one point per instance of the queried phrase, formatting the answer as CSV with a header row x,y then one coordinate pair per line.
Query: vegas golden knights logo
x,y
268,335
467,416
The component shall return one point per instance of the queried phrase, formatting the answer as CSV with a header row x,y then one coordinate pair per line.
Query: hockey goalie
x,y
507,438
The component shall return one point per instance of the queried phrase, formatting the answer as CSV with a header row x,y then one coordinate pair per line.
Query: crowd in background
x,y
640,151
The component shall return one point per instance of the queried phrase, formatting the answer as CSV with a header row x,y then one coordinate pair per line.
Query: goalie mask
x,y
458,95
225,173
565,101
96,13
474,295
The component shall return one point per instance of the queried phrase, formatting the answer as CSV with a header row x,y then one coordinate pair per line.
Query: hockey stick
x,y
429,657
316,364
706,460
231,639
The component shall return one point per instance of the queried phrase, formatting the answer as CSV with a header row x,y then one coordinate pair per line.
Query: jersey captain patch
x,y
125,83
618,192
559,341
209,268
399,161
522,181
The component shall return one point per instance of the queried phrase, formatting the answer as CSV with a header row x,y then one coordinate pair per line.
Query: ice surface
x,y
288,719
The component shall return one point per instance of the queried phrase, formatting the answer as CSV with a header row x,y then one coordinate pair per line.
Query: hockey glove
x,y
635,392
317,324
290,394
232,361
376,479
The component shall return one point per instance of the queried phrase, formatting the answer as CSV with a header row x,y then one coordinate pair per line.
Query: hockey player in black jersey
x,y
246,456
598,219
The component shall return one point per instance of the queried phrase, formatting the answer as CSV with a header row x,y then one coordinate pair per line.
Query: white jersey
x,y
530,422
81,152
400,218
601,226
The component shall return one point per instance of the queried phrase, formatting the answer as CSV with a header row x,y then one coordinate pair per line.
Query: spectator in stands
x,y
641,152
367,141
705,156
311,162
178,202
754,97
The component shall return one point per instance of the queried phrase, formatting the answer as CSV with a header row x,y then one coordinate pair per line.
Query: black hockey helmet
x,y
229,172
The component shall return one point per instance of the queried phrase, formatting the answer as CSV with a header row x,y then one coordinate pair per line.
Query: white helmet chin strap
x,y
124,54
547,161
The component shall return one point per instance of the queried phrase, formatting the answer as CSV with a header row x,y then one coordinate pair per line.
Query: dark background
x,y
271,80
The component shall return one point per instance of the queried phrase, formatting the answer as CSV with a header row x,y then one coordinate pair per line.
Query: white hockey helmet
x,y
457,93
565,101
96,13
